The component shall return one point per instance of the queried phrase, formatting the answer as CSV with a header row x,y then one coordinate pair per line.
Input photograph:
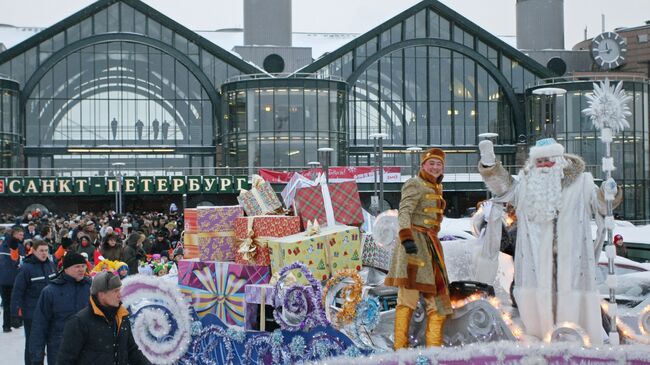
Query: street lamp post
x,y
378,140
118,193
415,158
313,165
325,153
551,93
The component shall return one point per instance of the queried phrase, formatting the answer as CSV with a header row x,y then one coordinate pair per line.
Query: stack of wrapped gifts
x,y
238,254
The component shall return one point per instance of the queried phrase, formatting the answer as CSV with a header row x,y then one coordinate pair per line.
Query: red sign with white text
x,y
361,174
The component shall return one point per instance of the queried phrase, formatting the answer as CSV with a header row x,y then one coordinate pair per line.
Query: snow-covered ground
x,y
12,345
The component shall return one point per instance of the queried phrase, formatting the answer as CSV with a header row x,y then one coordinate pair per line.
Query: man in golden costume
x,y
418,265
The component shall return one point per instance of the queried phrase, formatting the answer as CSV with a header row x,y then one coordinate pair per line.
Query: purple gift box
x,y
219,287
216,232
255,295
210,219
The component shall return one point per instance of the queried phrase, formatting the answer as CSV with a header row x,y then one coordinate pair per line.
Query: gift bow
x,y
248,245
313,228
289,279
256,182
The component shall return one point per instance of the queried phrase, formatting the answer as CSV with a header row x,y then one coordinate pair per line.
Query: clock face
x,y
608,50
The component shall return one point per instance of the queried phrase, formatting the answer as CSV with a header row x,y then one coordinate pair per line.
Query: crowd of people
x,y
60,272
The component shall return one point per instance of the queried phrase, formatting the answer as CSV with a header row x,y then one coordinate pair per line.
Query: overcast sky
x,y
347,16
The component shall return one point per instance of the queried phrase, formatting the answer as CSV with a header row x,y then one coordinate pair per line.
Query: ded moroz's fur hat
x,y
546,147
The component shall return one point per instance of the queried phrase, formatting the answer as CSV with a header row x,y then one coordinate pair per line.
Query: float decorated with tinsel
x,y
318,297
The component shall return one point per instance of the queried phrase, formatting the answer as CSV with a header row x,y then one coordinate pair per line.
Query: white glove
x,y
488,158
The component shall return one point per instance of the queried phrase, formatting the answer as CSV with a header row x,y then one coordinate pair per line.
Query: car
x,y
455,229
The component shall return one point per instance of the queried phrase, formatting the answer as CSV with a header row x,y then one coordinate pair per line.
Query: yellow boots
x,y
403,316
434,332
435,328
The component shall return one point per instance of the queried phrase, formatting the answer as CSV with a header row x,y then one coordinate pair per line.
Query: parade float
x,y
263,286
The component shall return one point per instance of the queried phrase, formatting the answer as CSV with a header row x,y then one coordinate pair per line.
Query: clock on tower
x,y
608,50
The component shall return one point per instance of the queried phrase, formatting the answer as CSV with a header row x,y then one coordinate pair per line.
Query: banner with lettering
x,y
128,185
361,174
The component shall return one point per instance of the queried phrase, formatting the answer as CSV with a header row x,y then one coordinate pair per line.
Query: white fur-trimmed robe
x,y
578,300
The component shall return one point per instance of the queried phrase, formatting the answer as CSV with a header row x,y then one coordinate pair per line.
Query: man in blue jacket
x,y
10,251
66,295
36,272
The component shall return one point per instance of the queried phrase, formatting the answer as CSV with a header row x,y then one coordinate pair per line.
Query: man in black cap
x,y
101,332
63,297
161,244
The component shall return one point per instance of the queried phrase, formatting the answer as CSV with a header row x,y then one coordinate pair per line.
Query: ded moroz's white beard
x,y
544,190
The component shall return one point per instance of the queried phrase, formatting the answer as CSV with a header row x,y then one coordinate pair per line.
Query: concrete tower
x,y
540,24
267,22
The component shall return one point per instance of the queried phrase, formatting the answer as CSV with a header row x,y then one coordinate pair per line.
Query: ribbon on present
x,y
289,278
230,233
297,181
327,201
313,228
263,310
248,245
221,293
257,184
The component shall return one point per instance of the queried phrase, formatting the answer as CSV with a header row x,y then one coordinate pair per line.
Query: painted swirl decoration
x,y
160,318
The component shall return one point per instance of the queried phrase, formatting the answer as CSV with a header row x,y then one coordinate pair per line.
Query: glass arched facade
x,y
431,78
422,96
118,81
115,95
11,133
630,149
283,122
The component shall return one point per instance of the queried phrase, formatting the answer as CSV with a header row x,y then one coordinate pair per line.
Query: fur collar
x,y
429,178
575,167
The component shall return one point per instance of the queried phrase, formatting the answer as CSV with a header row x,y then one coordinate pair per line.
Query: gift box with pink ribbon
x,y
260,199
219,287
211,229
252,235
330,204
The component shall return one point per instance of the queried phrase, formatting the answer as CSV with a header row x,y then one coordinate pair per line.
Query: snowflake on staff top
x,y
608,106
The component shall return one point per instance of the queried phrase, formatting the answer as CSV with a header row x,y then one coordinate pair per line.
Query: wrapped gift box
x,y
252,235
211,231
190,246
189,218
210,219
345,204
258,301
213,246
374,254
260,200
219,287
332,249
268,225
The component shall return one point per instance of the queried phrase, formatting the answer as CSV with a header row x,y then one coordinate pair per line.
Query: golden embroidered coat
x,y
420,214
